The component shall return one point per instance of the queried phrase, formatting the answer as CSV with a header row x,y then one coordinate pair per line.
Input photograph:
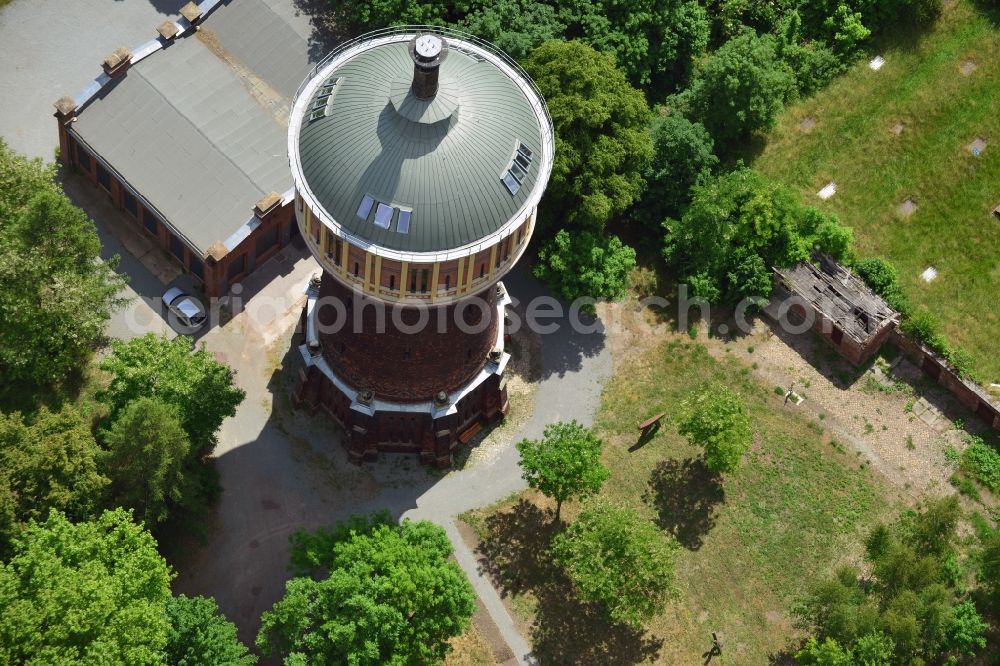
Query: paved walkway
x,y
283,470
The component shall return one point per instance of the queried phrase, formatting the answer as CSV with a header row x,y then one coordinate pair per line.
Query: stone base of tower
x,y
432,429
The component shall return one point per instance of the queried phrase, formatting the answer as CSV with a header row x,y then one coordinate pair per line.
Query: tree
x,y
147,451
966,631
682,158
618,559
738,226
56,296
49,462
910,610
85,593
516,27
654,42
391,596
200,387
716,419
585,264
602,140
199,635
741,88
845,29
565,463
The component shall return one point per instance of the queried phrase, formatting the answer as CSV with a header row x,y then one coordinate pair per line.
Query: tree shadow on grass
x,y
685,494
566,630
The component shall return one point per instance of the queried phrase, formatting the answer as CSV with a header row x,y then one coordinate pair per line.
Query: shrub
x,y
585,264
982,461
883,278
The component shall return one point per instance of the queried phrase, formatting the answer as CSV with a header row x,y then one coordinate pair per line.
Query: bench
x,y
651,422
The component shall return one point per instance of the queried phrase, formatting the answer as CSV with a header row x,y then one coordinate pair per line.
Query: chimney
x,y
428,52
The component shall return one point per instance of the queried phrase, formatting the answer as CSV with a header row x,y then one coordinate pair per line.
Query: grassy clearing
x,y
470,649
942,111
751,540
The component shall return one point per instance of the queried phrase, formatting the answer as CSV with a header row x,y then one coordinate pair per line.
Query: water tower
x,y
419,157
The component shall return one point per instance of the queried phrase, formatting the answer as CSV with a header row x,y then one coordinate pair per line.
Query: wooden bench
x,y
651,422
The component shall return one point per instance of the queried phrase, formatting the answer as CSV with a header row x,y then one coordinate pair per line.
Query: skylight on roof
x,y
323,100
365,207
403,222
383,216
517,170
512,185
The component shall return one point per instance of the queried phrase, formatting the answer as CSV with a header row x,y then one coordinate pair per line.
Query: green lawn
x,y
750,540
922,86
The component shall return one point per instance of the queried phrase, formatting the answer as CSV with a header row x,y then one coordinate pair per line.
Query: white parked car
x,y
189,313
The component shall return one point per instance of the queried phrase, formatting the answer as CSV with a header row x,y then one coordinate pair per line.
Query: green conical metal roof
x,y
363,136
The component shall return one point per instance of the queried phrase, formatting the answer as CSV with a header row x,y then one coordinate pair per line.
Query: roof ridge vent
x,y
428,51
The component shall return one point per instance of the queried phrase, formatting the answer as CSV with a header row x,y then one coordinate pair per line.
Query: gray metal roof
x,y
199,129
442,159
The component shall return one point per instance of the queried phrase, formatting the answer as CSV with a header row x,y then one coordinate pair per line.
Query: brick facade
x,y
369,351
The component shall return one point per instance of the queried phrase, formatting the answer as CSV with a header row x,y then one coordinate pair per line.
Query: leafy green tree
x,y
823,653
56,296
516,27
845,29
813,62
147,450
602,138
741,88
85,593
201,388
585,264
737,227
565,463
716,419
654,42
910,611
49,462
374,14
966,631
391,596
874,649
199,635
730,217
619,559
682,158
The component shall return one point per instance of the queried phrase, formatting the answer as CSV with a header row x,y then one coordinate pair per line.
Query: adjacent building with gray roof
x,y
187,133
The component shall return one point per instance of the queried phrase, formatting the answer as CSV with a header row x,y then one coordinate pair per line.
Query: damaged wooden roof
x,y
840,295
